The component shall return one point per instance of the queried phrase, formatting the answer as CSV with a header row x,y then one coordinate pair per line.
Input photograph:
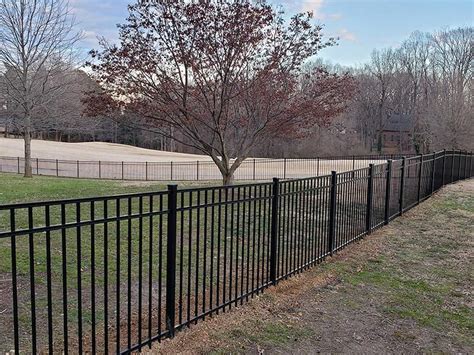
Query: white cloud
x,y
346,35
89,34
312,5
89,37
315,6
335,17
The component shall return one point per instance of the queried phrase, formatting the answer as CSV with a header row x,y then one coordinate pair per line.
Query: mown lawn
x,y
95,243
122,256
14,188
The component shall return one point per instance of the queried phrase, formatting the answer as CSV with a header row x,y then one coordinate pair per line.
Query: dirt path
x,y
407,288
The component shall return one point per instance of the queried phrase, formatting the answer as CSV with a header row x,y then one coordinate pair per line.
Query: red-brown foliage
x,y
226,74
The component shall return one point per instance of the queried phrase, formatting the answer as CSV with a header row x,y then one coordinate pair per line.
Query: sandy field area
x,y
91,151
99,160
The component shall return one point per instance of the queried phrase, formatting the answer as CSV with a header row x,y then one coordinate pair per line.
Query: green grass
x,y
16,189
266,334
145,233
411,296
453,203
420,279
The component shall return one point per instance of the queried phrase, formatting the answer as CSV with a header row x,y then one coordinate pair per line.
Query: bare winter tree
x,y
225,75
37,42
429,78
452,80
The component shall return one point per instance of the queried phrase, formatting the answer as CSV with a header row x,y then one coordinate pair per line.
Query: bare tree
x,y
453,89
429,78
223,74
37,42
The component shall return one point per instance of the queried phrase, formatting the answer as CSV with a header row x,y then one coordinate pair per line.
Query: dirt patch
x,y
406,288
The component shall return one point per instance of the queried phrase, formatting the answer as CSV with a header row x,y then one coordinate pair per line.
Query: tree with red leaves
x,y
226,74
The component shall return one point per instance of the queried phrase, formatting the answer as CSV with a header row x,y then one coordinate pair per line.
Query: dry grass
x,y
406,288
91,151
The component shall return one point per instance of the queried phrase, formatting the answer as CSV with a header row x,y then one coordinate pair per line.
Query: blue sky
x,y
362,25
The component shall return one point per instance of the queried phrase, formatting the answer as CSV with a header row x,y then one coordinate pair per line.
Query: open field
x,y
91,151
408,288
16,189
100,160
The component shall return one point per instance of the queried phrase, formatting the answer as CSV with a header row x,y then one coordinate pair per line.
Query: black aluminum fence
x,y
251,169
115,273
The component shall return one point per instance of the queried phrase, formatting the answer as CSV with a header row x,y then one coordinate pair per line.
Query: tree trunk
x,y
227,178
27,139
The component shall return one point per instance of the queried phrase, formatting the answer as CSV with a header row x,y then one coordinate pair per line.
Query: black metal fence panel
x,y
250,169
115,273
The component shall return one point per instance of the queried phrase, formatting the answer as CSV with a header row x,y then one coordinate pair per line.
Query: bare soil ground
x,y
407,288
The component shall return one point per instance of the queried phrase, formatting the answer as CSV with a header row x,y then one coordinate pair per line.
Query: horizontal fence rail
x,y
250,169
116,273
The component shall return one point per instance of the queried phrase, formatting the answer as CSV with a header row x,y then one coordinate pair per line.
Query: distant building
x,y
397,134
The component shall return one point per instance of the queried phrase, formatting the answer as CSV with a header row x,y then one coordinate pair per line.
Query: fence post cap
x,y
172,187
275,179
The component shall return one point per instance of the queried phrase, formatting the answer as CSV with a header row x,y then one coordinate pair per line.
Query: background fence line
x,y
251,169
116,273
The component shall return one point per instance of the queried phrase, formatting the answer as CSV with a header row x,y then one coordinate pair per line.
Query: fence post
x,y
254,168
402,185
146,171
452,167
122,170
37,166
465,166
433,174
274,231
420,172
197,170
470,166
332,213
388,191
57,168
171,171
370,193
459,165
171,260
77,168
284,168
353,166
100,170
18,164
318,167
444,167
